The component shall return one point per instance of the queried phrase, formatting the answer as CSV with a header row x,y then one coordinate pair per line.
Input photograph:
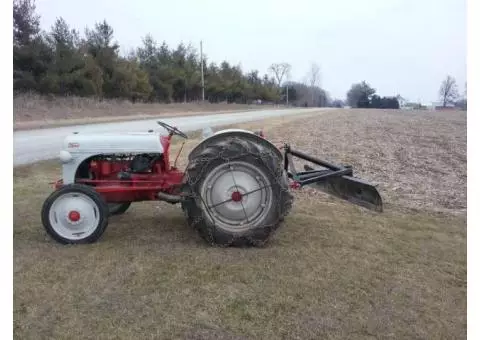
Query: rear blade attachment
x,y
335,180
351,189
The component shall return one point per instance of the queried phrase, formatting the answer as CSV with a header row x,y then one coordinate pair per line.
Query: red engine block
x,y
115,184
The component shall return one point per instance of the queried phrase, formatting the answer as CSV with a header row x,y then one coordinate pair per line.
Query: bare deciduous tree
x,y
314,79
448,91
279,71
314,75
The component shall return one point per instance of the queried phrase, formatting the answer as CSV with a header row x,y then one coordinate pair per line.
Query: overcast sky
x,y
398,46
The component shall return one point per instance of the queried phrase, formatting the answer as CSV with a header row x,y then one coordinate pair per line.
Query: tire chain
x,y
202,164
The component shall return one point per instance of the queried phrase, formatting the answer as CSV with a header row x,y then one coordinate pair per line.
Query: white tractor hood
x,y
109,143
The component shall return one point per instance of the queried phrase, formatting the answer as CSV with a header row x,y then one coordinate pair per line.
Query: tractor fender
x,y
71,166
229,133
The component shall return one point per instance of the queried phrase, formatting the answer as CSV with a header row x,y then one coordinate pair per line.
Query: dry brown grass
x,y
334,271
33,111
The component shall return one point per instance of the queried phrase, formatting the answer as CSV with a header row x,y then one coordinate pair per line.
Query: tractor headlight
x,y
65,156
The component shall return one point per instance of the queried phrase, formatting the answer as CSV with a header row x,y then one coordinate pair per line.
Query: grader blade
x,y
336,180
351,189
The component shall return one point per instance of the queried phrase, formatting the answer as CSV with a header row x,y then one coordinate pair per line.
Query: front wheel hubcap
x,y
74,216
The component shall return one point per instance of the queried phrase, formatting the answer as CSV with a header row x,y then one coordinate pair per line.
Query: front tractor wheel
x,y
75,214
238,193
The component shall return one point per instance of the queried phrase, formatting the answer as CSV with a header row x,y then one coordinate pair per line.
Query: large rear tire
x,y
75,214
237,193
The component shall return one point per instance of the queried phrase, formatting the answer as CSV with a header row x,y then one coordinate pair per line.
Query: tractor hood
x,y
109,143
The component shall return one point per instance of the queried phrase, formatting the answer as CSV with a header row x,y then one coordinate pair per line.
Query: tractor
x,y
236,189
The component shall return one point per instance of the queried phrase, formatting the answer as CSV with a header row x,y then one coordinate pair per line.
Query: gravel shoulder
x,y
122,117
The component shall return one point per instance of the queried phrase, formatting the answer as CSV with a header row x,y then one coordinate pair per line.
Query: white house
x,y
402,102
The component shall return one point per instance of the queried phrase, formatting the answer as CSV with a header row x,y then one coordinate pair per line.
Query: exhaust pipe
x,y
173,199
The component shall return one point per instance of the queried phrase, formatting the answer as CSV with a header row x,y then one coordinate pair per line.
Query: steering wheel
x,y
172,130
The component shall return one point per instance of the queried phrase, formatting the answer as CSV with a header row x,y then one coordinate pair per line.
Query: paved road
x,y
35,145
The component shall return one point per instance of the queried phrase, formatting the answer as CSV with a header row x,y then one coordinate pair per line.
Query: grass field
x,y
34,111
334,271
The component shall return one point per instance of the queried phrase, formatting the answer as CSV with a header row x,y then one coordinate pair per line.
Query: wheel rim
x,y
74,216
237,196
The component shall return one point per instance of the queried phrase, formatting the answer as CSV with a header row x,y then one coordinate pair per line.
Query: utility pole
x,y
288,80
287,94
201,66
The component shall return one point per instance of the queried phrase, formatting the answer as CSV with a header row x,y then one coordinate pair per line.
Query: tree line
x,y
362,95
62,62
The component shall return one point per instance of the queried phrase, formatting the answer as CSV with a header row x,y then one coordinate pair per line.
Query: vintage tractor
x,y
234,191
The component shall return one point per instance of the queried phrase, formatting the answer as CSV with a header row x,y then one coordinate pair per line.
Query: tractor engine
x,y
126,167
115,174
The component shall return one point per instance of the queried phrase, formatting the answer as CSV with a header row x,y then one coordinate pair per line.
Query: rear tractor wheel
x,y
238,193
74,214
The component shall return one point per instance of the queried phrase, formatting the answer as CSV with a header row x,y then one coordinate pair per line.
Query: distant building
x,y
401,102
439,106
413,106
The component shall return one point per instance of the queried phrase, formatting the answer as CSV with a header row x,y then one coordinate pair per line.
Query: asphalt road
x,y
34,145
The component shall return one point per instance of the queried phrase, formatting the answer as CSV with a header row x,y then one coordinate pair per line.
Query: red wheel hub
x,y
74,216
236,196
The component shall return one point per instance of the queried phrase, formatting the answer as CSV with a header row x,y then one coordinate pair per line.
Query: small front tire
x,y
75,214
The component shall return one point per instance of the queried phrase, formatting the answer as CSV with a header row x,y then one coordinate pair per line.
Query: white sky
x,y
398,46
